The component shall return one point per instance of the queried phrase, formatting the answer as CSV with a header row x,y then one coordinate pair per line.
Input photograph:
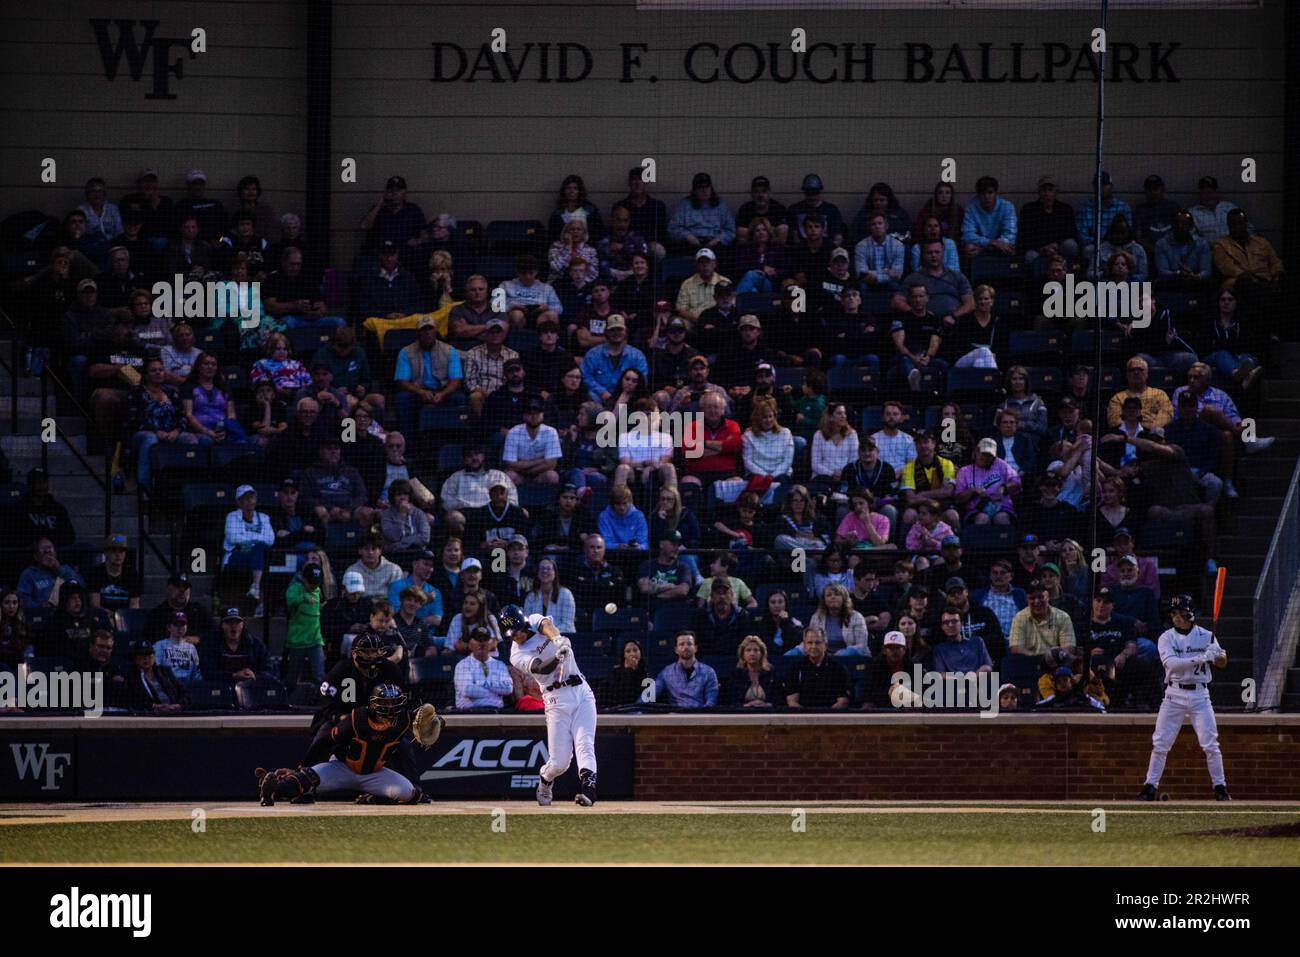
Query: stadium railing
x,y
1273,600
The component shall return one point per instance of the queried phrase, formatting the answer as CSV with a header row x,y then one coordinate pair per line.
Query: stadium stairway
x,y
1281,417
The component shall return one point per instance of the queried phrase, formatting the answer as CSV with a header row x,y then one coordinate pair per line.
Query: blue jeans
x,y
1176,362
296,658
754,281
906,365
871,362
234,433
409,406
142,442
1225,363
251,557
576,478
323,322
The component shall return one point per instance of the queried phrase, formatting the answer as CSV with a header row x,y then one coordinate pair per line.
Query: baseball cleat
x,y
582,800
543,791
1148,793
1221,793
266,787
586,795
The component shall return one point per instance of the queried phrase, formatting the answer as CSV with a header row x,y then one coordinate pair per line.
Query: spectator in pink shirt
x,y
984,489
927,533
862,528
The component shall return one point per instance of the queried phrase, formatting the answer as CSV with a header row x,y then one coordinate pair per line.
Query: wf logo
x,y
35,759
137,53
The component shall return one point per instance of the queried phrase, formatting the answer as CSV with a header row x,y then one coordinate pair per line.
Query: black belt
x,y
566,683
1174,684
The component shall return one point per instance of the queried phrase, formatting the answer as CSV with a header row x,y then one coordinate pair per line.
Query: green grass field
x,y
1001,836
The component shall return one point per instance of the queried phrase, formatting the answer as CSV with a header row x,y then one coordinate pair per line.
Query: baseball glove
x,y
427,725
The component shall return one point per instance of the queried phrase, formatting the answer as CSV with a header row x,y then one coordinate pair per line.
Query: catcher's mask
x,y
368,649
387,702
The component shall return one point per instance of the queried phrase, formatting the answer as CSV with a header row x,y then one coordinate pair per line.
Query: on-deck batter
x,y
1187,650
537,647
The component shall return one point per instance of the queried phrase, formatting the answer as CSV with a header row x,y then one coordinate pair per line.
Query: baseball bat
x,y
1220,580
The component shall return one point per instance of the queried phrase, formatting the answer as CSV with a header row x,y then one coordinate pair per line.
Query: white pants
x,y
1177,705
978,358
570,727
336,776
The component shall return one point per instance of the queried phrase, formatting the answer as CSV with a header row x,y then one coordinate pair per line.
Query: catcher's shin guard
x,y
285,783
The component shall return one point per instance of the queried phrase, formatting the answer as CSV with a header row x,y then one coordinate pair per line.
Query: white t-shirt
x,y
644,447
521,447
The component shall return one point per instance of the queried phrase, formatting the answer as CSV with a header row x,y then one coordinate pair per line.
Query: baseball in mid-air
x,y
611,608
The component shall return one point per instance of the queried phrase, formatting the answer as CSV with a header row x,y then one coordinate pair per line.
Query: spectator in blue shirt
x,y
990,222
957,652
622,524
687,682
1182,256
38,580
702,219
420,579
604,365
1110,208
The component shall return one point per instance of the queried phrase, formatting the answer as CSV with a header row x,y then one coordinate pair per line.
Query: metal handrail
x,y
1277,582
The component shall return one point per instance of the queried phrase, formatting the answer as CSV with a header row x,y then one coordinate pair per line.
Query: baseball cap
x,y
424,555
496,322
758,181
1069,402
616,321
749,319
1104,594
86,284
388,246
1051,567
513,363
353,582
987,445
1063,672
535,404
426,322
670,535
116,540
919,591
1152,180
701,179
519,539
568,488
954,582
1029,539
698,361
1130,559
244,490
288,483
1207,182
765,367
232,614
723,288
196,176
141,646
677,322
1122,532
1046,180
179,618
895,638
471,563
812,183
499,483
663,305
147,173
705,253
479,633
839,252
179,581
312,574
396,182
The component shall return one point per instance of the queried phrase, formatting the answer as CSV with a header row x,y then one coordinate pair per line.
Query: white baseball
x,y
611,608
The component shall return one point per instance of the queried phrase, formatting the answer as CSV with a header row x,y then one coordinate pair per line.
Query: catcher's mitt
x,y
427,725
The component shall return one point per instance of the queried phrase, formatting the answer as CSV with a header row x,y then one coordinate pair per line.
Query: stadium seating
x,y
260,694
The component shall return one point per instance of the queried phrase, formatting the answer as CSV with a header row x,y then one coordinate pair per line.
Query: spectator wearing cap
x,y
403,525
468,487
421,579
515,581
878,258
84,322
1203,445
347,613
1039,628
157,212
1069,423
178,599
481,681
673,364
390,292
334,493
210,213
485,365
761,205
873,473
666,577
377,572
603,366
956,651
573,245
1182,257
504,407
1000,596
761,260
1046,226
114,367
815,204
1068,694
721,623
917,338
393,220
596,582
1051,516
587,323
295,297
717,324
617,247
1028,551
290,521
1050,573
952,564
649,215
235,655
248,537
815,680
985,488
527,297
1111,206
702,219
976,621
696,293
687,682
1211,211
1155,216
622,525
303,643
1130,665
744,366
892,660
989,225
151,686
428,373
497,522
114,585
178,650
929,477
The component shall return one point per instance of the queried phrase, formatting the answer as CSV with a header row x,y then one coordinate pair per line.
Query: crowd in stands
x,y
845,446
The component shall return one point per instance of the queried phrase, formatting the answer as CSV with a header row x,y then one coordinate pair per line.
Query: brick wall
x,y
1004,758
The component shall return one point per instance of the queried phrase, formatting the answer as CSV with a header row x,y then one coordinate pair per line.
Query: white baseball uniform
x,y
570,708
1187,694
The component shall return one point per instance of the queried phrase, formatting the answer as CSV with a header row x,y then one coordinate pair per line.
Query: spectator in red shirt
x,y
721,442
